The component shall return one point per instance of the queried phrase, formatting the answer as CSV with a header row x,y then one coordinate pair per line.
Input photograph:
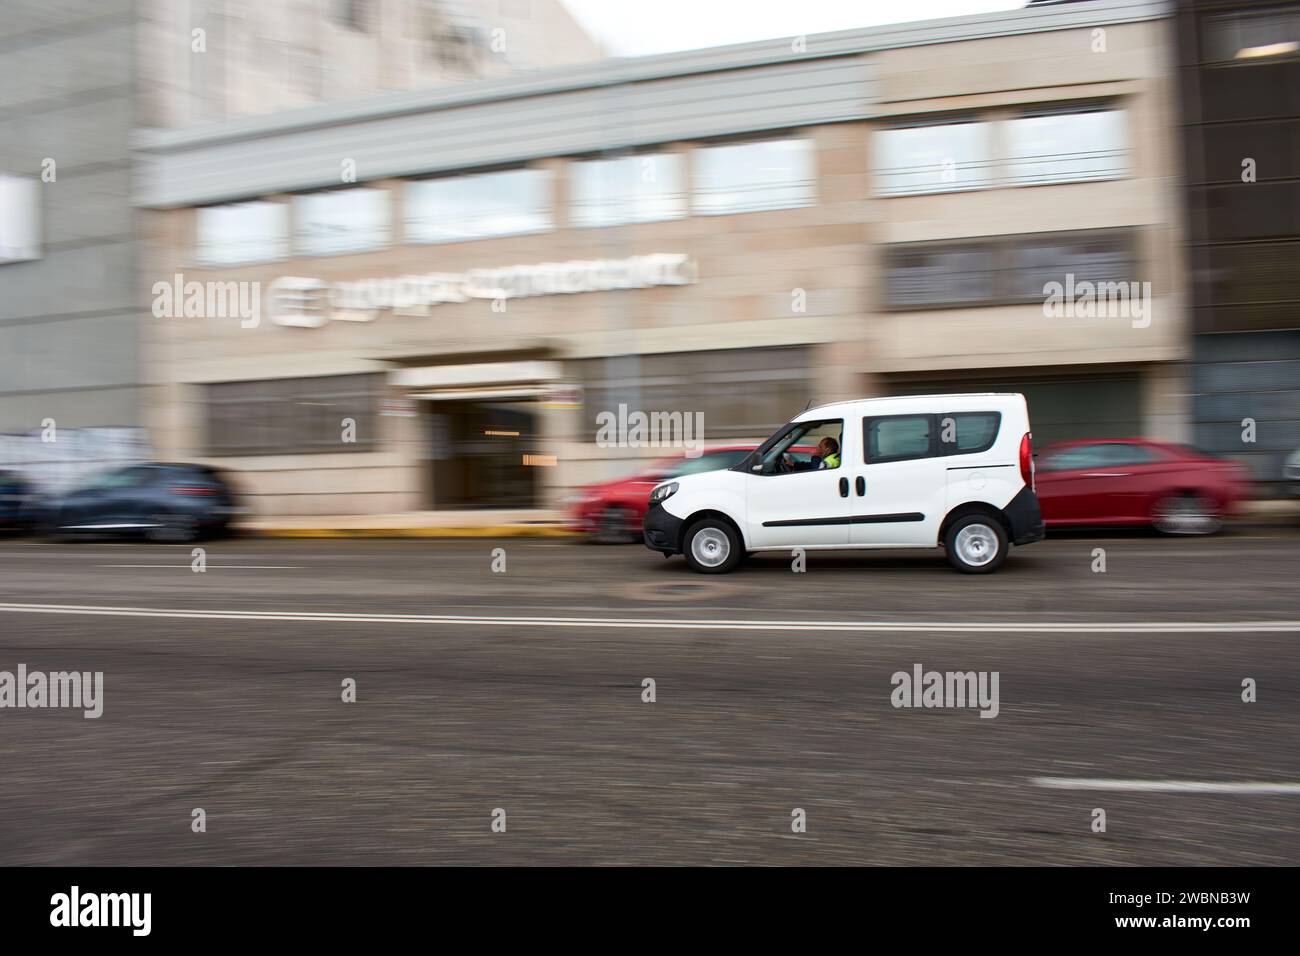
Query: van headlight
x,y
663,492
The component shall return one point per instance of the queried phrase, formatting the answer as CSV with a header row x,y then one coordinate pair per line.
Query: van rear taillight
x,y
1027,460
197,490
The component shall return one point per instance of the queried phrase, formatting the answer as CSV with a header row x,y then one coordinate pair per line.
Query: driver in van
x,y
827,456
828,449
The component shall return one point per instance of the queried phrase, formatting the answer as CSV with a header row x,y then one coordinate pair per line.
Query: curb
x,y
472,531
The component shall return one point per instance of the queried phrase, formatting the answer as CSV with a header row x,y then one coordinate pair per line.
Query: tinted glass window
x,y
1246,34
1122,454
285,416
962,433
897,437
949,274
1081,456
122,478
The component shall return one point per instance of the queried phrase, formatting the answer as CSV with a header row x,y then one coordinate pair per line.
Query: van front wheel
x,y
712,547
976,544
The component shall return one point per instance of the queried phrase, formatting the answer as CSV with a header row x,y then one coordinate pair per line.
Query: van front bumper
x,y
1026,517
661,530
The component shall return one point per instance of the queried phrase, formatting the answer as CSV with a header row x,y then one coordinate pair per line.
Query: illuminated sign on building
x,y
20,221
310,303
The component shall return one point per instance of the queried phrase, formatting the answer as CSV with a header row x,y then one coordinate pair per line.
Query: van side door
x,y
899,483
799,504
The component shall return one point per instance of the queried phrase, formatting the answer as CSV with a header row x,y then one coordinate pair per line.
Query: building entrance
x,y
483,454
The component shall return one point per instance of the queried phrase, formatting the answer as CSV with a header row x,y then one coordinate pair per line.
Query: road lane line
x,y
699,624
1166,786
211,567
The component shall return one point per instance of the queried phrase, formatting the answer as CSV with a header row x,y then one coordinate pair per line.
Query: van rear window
x,y
964,433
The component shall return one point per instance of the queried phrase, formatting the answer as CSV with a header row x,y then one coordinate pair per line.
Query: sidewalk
x,y
517,523
537,523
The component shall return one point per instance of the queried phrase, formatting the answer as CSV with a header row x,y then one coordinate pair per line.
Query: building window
x,y
1035,260
459,208
341,220
626,189
20,218
1066,145
242,232
1003,269
740,392
1251,35
292,416
948,273
933,157
748,177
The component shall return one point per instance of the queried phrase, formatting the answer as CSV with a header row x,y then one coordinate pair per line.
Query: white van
x,y
925,471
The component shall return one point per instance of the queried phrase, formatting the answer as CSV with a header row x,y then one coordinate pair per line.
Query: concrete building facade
x,y
78,76
1239,65
210,60
70,372
734,232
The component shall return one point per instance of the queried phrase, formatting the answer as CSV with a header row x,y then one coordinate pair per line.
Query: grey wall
x,y
1248,375
69,322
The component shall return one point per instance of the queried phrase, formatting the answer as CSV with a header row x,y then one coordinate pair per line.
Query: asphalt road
x,y
522,690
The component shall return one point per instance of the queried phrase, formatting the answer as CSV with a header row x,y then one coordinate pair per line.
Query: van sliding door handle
x,y
861,484
844,487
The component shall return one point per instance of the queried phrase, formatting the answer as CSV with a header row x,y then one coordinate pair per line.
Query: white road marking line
x,y
211,567
698,624
1165,786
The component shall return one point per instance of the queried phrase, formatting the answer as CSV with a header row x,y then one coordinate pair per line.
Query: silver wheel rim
x,y
1186,516
710,547
976,544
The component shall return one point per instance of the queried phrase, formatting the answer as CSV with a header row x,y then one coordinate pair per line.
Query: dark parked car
x,y
15,501
1135,481
161,501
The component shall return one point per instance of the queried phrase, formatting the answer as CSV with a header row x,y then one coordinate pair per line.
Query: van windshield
x,y
817,441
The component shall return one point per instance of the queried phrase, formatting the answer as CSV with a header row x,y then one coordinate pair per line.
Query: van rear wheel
x,y
712,546
976,544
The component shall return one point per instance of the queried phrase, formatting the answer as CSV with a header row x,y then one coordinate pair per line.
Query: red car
x,y
613,510
1133,481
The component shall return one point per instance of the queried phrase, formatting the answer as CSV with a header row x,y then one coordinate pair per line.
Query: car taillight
x,y
192,490
1027,460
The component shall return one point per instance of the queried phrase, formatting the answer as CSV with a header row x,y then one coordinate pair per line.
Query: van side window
x,y
898,437
965,433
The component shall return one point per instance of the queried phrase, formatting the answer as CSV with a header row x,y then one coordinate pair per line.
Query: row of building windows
x,y
731,178
339,413
948,155
995,270
1034,147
